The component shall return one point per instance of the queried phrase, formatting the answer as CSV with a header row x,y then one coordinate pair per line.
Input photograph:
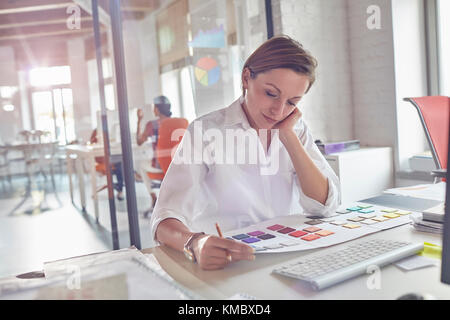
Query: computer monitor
x,y
445,266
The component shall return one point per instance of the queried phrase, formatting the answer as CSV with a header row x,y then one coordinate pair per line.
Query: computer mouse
x,y
416,296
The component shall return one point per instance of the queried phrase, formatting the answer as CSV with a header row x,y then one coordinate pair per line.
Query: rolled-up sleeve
x,y
180,195
312,206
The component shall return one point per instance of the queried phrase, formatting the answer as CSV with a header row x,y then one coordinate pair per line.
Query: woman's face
x,y
272,95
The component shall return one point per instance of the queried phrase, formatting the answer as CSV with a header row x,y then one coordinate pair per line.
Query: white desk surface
x,y
255,277
94,149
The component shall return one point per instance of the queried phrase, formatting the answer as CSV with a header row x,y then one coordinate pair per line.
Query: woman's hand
x,y
214,253
286,126
289,122
140,114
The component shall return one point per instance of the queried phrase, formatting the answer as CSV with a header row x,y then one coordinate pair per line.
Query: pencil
x,y
219,232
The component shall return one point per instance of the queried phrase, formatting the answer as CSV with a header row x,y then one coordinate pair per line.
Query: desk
x,y
255,277
76,155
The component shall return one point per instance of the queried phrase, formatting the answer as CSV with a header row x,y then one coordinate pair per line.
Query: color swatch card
x,y
298,232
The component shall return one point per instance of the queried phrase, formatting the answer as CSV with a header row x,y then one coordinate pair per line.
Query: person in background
x,y
116,168
161,110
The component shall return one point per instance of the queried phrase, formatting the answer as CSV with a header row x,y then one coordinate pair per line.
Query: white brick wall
x,y
354,97
372,72
320,25
359,90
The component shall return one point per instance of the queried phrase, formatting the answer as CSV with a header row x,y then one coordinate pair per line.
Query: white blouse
x,y
213,178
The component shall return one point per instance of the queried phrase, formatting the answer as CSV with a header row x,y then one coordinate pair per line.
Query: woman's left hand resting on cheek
x,y
286,126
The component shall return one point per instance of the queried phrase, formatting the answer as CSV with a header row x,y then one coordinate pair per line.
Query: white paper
x,y
287,243
121,274
57,268
415,262
433,191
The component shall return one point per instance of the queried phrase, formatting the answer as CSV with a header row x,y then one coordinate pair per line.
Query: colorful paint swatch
x,y
403,213
251,240
369,221
312,229
275,227
342,211
354,208
266,236
391,215
324,233
286,230
298,233
338,222
380,219
240,236
313,222
314,217
368,216
389,210
310,237
366,210
255,233
356,219
365,206
351,226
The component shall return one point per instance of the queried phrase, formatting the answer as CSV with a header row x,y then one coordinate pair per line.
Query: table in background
x,y
76,155
35,154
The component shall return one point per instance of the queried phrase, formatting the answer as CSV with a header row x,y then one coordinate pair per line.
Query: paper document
x,y
298,232
121,274
415,262
432,191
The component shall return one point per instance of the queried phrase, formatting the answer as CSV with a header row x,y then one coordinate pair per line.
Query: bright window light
x,y
7,92
8,107
42,77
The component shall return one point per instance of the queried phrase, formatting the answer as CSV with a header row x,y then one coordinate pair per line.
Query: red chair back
x,y
168,140
434,112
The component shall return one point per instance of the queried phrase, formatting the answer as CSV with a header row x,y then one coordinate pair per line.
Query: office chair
x,y
166,146
434,113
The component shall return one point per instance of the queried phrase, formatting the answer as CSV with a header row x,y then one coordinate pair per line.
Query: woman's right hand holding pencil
x,y
213,252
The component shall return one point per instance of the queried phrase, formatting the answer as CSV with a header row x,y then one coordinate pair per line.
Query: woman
x,y
194,195
161,111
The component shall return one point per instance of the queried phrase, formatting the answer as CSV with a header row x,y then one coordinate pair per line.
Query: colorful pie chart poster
x,y
207,71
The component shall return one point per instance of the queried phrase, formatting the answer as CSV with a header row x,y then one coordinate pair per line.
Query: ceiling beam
x,y
45,34
41,7
139,5
39,23
103,16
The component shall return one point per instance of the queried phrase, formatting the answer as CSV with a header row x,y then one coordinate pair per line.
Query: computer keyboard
x,y
322,270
